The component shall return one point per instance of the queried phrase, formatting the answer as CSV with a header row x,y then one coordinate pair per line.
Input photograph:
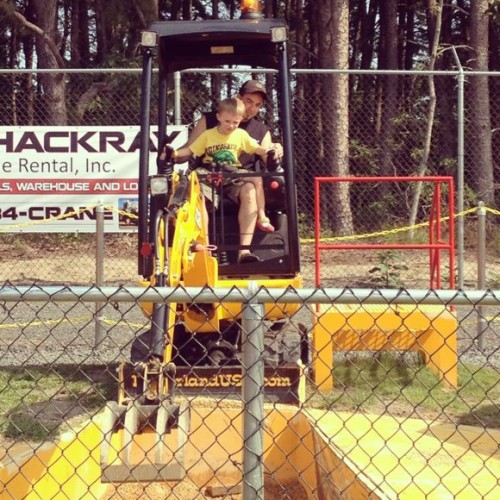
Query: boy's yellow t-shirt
x,y
216,147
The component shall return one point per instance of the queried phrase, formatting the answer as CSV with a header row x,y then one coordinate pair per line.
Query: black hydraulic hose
x,y
158,320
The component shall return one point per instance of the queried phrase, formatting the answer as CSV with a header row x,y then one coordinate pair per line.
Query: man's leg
x,y
259,195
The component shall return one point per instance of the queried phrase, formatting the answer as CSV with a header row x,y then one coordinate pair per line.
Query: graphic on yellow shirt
x,y
224,156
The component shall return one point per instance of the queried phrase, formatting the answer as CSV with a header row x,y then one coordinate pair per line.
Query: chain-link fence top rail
x,y
386,419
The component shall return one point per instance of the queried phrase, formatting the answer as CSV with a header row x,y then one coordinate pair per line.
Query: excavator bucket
x,y
144,442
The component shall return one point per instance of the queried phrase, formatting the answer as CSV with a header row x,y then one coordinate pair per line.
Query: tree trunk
x,y
368,33
446,95
357,14
76,60
435,11
187,8
80,50
101,32
333,23
270,80
389,60
481,151
147,12
215,9
216,88
175,10
29,88
302,156
12,64
312,153
53,84
84,41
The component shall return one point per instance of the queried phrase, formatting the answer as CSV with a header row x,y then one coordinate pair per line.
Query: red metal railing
x,y
435,246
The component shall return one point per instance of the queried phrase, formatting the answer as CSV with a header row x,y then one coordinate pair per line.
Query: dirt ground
x,y
188,490
71,259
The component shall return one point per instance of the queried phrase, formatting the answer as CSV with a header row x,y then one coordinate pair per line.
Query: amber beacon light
x,y
251,9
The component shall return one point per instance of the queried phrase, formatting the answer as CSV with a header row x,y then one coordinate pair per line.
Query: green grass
x,y
389,384
36,403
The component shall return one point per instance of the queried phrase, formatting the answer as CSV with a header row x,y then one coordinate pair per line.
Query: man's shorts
x,y
230,189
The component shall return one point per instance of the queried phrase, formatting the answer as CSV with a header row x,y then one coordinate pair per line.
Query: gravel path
x,y
47,333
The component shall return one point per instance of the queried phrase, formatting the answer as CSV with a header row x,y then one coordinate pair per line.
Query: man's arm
x,y
199,128
268,144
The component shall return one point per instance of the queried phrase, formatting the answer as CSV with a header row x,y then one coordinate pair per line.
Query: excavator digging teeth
x,y
144,442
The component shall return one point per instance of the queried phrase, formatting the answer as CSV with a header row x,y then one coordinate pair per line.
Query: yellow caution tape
x,y
353,237
389,231
51,322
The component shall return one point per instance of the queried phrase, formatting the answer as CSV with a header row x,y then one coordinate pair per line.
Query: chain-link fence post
x,y
460,171
481,271
253,395
99,272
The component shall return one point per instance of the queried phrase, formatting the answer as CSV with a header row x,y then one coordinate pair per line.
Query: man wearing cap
x,y
253,94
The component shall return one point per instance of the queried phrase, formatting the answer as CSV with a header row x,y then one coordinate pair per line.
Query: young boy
x,y
225,143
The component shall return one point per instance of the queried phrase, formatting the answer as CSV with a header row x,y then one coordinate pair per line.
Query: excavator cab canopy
x,y
191,44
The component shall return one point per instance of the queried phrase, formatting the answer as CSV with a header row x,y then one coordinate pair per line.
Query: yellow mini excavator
x,y
194,348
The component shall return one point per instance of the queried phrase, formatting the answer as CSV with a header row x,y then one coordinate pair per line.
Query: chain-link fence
x,y
390,389
385,137
112,97
388,395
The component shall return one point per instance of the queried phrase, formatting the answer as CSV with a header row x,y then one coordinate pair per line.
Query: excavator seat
x,y
271,248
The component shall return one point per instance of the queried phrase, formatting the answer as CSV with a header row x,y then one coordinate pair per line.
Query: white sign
x,y
52,178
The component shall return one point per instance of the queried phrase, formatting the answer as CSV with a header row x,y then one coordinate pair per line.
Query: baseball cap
x,y
252,86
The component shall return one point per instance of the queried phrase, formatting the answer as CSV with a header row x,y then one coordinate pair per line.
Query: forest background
x,y
361,119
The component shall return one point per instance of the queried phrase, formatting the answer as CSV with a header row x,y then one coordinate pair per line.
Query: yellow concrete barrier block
x,y
431,330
